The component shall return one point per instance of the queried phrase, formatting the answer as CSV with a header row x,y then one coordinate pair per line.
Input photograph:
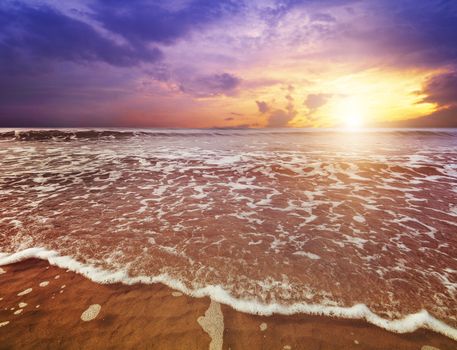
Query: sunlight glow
x,y
357,101
351,114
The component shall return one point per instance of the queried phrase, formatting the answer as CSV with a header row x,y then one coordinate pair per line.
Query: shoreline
x,y
408,324
54,301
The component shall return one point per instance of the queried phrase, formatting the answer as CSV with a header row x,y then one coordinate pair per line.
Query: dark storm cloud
x,y
142,20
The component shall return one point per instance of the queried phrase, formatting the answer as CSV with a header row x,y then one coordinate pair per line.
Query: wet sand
x,y
45,307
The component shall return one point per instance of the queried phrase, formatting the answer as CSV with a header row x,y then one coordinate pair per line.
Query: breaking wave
x,y
408,323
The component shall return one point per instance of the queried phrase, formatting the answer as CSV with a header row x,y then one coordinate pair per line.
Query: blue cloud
x,y
420,33
146,21
45,33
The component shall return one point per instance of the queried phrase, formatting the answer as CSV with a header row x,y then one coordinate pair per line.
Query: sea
x,y
352,224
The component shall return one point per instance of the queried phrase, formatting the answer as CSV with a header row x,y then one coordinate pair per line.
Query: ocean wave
x,y
409,323
96,134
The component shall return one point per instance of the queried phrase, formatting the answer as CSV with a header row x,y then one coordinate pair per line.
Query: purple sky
x,y
208,63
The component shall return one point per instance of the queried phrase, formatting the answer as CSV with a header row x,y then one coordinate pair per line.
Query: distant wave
x,y
97,134
64,135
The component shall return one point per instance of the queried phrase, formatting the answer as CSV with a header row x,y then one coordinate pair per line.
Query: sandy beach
x,y
45,307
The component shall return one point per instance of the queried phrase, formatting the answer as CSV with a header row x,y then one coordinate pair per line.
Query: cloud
x,y
161,54
429,29
33,34
62,95
262,106
404,33
211,85
323,17
160,22
441,89
238,126
315,101
442,118
290,101
278,119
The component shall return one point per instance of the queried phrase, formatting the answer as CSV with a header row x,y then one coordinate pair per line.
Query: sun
x,y
351,114
353,122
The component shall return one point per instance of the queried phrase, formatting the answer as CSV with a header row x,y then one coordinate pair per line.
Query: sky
x,y
228,63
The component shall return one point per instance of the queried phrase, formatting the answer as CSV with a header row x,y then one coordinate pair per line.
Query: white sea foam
x,y
409,323
308,255
24,292
91,312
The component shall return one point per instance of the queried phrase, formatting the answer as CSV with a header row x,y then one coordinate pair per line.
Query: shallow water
x,y
268,220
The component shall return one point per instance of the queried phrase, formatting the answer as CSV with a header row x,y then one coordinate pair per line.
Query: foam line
x,y
409,323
